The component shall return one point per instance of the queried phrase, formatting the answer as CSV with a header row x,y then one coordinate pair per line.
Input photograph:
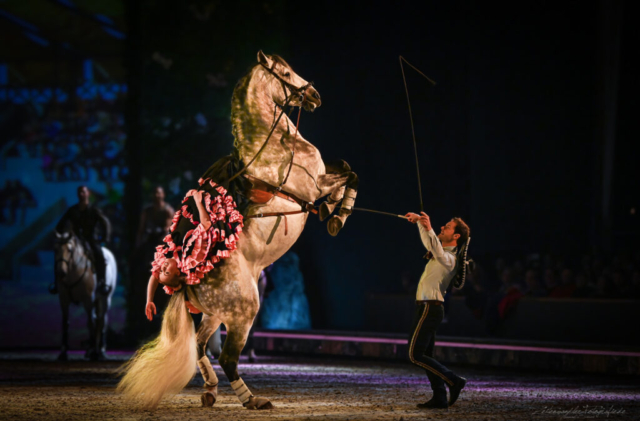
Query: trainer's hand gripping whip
x,y
413,132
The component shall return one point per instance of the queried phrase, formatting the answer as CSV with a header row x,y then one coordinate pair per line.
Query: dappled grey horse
x,y
288,175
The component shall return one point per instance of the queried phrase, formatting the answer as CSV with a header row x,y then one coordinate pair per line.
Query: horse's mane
x,y
239,96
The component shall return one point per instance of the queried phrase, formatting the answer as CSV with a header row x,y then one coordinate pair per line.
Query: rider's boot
x,y
53,287
103,288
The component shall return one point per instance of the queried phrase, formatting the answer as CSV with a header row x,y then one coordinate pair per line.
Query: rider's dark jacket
x,y
84,223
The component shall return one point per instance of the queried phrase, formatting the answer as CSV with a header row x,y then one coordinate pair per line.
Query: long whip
x,y
413,132
381,213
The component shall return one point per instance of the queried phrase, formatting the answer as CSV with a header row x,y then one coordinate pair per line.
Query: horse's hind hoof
x,y
258,403
334,225
63,357
208,399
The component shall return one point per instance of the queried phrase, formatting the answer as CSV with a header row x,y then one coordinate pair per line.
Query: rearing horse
x,y
288,175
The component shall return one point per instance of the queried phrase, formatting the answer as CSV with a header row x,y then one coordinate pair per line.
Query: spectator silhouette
x,y
534,287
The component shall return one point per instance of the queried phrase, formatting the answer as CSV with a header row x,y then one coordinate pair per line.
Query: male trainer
x,y
432,288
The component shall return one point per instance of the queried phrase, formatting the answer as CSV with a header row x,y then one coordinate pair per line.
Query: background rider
x,y
83,218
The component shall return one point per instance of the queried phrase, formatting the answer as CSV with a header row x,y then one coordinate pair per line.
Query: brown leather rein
x,y
262,192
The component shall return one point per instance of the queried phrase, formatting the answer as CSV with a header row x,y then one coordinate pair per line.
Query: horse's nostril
x,y
316,95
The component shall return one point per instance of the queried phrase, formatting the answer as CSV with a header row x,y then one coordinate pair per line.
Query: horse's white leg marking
x,y
103,303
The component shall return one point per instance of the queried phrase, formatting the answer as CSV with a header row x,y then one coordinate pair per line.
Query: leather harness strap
x,y
263,186
282,214
263,192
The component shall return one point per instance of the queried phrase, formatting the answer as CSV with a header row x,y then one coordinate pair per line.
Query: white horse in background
x,y
265,145
77,282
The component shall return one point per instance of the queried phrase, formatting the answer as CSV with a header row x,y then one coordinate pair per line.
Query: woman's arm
x,y
205,220
150,308
433,244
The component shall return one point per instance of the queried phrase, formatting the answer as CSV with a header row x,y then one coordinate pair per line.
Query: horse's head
x,y
285,84
63,252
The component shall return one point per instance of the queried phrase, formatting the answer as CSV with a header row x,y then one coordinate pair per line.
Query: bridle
x,y
277,191
295,91
68,263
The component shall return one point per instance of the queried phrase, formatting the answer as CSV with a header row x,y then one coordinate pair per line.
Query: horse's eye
x,y
287,74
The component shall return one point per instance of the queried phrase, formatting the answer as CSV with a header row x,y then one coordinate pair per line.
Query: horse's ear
x,y
263,59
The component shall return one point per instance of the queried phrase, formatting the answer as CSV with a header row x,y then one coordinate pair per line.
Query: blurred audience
x,y
492,296
15,197
534,287
74,140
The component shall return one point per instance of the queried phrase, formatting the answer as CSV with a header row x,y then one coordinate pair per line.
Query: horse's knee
x,y
337,167
352,180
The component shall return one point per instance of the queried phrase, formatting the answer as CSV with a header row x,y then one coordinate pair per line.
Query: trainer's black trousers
x,y
427,318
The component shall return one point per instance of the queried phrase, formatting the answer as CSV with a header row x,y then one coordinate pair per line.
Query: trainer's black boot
x,y
436,402
454,391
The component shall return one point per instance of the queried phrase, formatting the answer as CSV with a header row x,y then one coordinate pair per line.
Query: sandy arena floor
x,y
35,387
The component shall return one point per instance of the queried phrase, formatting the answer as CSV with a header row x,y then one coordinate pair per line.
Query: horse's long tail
x,y
166,364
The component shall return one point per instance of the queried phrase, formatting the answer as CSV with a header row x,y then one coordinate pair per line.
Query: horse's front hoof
x,y
63,357
325,210
258,403
209,397
101,356
334,225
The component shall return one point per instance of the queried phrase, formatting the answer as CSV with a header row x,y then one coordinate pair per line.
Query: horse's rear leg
x,y
90,309
207,327
64,305
101,307
236,338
